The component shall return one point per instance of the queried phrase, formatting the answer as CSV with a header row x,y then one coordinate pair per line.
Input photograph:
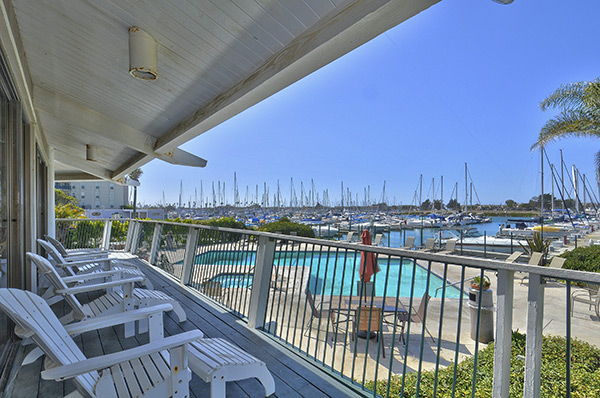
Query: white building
x,y
96,194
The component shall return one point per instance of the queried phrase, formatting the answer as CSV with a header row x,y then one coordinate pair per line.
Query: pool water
x,y
233,280
336,274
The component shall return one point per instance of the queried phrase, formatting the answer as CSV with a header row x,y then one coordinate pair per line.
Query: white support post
x,y
135,237
155,243
106,234
259,296
533,348
190,255
503,343
129,237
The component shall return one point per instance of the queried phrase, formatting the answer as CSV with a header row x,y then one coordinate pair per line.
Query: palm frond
x,y
568,124
582,96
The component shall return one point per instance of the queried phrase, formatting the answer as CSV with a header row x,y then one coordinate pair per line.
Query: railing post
x,y
533,347
503,344
135,237
190,255
259,297
155,243
106,235
129,237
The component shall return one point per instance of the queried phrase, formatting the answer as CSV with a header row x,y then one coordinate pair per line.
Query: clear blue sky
x,y
460,82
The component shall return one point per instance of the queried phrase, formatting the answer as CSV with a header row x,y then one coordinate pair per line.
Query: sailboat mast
x,y
552,185
466,190
442,195
542,195
575,188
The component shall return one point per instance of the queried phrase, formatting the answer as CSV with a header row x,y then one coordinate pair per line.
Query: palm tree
x,y
135,176
579,117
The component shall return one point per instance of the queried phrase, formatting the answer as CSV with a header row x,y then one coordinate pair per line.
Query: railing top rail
x,y
489,264
92,219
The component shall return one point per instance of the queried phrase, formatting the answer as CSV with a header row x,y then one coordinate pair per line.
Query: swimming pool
x,y
336,274
233,280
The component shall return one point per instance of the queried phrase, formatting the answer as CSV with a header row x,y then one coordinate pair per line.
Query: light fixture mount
x,y
143,55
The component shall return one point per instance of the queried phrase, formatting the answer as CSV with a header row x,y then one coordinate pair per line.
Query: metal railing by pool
x,y
399,334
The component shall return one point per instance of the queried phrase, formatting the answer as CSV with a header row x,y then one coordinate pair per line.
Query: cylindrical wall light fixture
x,y
143,55
90,153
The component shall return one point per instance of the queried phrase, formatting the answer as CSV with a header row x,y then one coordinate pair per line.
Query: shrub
x,y
585,373
583,259
285,226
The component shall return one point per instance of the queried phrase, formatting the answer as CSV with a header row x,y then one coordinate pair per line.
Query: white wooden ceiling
x,y
216,58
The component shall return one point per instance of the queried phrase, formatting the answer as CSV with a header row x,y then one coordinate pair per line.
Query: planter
x,y
476,283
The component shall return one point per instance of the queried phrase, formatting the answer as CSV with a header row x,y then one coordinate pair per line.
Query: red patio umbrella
x,y
368,265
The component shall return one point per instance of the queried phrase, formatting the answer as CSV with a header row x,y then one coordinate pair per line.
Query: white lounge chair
x,y
377,239
513,257
409,243
349,237
158,369
588,295
84,266
429,244
535,259
75,253
114,302
450,247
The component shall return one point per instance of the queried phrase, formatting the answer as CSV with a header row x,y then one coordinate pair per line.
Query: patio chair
x,y
450,247
419,316
377,240
429,245
535,259
349,237
86,266
513,257
160,368
588,295
409,243
323,311
368,319
75,253
114,302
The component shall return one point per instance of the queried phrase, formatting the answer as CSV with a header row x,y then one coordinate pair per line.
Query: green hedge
x,y
285,226
583,259
585,373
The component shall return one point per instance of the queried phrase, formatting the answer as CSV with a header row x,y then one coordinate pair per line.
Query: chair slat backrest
x,y
44,267
429,243
557,262
513,257
57,244
451,245
410,242
30,312
369,318
52,251
536,258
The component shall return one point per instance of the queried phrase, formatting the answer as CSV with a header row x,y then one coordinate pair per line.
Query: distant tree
x,y
453,204
511,204
437,204
426,205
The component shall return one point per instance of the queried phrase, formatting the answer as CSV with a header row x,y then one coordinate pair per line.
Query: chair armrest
x,y
106,361
85,256
90,276
98,286
87,262
118,319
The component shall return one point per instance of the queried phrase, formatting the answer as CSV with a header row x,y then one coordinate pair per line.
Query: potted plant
x,y
477,284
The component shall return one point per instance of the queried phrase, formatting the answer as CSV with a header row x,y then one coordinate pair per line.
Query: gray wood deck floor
x,y
294,376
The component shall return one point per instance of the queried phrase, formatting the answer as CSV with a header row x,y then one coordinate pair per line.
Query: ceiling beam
x,y
68,177
328,40
83,165
75,114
